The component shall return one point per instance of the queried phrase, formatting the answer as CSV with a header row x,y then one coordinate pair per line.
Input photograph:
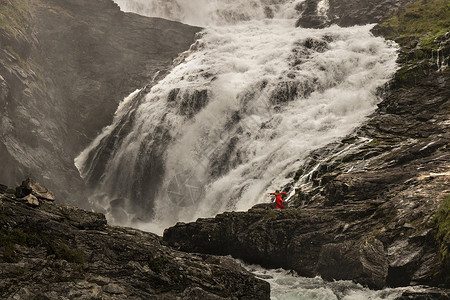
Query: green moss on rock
x,y
8,240
423,19
14,16
442,226
158,263
72,255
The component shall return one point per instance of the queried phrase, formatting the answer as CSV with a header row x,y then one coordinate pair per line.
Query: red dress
x,y
279,203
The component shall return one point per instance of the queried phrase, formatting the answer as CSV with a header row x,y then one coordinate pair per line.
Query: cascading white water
x,y
253,97
212,12
286,285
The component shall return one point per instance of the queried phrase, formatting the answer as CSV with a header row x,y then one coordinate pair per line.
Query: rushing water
x,y
286,285
233,120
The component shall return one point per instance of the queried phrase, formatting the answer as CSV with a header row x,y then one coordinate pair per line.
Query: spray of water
x,y
252,98
212,12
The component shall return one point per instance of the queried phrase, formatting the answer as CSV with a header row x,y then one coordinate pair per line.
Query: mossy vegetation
x,y
423,19
23,63
442,226
271,214
158,263
14,16
70,254
61,249
419,29
16,237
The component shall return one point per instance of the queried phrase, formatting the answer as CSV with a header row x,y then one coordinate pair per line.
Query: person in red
x,y
279,203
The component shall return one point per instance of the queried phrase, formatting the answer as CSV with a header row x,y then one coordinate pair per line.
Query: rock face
x,y
363,261
64,67
54,251
322,13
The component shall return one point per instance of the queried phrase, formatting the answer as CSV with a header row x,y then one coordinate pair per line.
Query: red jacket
x,y
279,203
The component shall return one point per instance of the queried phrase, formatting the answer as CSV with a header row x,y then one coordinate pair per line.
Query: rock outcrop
x,y
313,240
64,67
363,261
305,240
52,251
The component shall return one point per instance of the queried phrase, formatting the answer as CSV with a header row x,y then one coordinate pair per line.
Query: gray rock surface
x,y
364,261
64,67
56,251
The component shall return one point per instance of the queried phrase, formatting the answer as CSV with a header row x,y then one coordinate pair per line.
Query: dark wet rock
x,y
305,239
55,251
264,206
191,103
426,293
291,238
30,186
3,188
363,261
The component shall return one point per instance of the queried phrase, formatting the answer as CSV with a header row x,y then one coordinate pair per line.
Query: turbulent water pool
x,y
286,285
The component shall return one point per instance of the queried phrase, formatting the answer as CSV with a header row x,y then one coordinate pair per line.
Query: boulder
x,y
364,261
30,186
30,200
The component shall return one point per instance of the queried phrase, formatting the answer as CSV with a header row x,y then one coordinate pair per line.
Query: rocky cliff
x,y
373,207
50,251
64,67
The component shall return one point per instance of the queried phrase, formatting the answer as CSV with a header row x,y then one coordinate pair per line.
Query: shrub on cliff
x,y
442,225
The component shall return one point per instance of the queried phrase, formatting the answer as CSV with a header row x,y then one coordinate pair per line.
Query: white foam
x,y
286,285
212,12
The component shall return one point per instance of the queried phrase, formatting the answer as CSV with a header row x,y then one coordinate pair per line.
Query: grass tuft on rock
x,y
8,240
425,20
157,264
69,254
442,226
14,16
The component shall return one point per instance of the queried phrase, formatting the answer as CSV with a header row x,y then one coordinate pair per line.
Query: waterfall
x,y
237,116
213,12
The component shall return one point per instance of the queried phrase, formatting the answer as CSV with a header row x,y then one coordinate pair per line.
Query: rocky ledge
x,y
52,251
